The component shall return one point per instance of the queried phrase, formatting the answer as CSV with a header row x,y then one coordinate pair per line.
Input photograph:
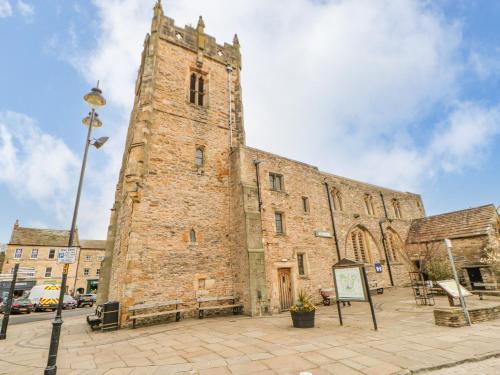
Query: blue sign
x,y
378,267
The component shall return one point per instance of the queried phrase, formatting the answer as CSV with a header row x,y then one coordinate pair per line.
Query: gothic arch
x,y
394,245
360,245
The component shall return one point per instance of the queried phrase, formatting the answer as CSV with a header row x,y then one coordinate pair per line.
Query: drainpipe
x,y
257,170
229,69
384,241
337,247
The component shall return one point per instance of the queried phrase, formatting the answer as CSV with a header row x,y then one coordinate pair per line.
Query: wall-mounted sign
x,y
378,267
322,233
67,256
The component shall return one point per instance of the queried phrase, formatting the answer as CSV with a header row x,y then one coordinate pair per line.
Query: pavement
x,y
407,342
46,315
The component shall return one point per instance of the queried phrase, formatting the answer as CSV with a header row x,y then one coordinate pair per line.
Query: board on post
x,y
450,288
351,285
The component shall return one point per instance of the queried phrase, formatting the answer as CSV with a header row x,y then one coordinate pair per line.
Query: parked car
x,y
21,305
85,300
69,302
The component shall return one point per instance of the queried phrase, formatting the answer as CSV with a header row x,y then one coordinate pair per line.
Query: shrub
x,y
303,303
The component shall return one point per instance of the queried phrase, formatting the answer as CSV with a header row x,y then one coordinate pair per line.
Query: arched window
x,y
393,245
197,89
370,209
192,89
192,235
337,200
359,245
201,90
397,209
199,160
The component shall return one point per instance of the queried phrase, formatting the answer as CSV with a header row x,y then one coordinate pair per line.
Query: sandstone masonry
x,y
197,212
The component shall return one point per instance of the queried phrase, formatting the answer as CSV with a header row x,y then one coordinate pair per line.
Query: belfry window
x,y
197,89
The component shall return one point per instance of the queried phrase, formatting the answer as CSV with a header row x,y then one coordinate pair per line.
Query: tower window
x,y
278,220
192,235
305,204
275,182
197,89
199,157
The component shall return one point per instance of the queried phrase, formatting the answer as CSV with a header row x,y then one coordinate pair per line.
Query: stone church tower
x,y
199,213
170,232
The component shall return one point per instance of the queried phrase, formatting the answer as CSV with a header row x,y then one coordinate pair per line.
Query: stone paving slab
x,y
407,340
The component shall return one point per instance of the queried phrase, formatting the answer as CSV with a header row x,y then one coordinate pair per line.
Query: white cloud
x,y
5,9
26,10
344,85
35,165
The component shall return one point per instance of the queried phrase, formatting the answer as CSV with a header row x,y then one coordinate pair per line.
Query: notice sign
x,y
67,256
450,287
349,284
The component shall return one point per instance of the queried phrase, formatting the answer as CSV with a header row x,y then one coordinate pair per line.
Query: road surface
x,y
49,315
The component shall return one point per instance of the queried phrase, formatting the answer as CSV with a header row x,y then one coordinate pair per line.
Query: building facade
x,y
197,212
39,249
475,239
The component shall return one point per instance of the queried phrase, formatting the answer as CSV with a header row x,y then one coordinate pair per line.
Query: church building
x,y
197,212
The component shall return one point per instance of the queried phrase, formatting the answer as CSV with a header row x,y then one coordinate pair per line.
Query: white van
x,y
45,297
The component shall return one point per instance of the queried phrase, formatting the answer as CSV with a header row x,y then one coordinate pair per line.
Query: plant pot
x,y
303,319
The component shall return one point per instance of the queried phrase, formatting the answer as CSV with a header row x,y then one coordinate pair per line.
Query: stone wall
x,y
302,180
454,316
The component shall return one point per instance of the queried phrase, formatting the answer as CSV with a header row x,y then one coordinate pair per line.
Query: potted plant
x,y
303,311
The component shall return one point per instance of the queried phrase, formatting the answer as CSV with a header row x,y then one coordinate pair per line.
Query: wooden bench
x,y
485,289
158,307
233,304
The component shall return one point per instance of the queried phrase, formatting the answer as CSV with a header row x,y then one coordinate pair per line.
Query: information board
x,y
349,284
450,287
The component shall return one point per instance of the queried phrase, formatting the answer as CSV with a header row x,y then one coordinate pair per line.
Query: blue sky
x,y
404,94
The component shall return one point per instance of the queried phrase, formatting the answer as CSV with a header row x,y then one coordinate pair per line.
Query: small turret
x,y
16,224
236,41
157,16
200,29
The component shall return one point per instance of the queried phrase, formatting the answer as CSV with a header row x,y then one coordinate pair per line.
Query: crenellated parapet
x,y
195,39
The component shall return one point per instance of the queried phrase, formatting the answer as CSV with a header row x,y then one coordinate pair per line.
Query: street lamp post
x,y
94,99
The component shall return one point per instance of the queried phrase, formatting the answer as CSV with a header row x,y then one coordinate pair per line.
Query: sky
x,y
403,94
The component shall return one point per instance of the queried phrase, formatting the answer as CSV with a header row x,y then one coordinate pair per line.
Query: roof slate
x,y
41,237
459,224
93,244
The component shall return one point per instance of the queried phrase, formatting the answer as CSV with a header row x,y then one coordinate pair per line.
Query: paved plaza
x,y
407,341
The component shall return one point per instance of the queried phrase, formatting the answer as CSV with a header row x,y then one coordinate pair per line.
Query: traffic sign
x,y
67,256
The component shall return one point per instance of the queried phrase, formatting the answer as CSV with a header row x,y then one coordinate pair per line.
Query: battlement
x,y
195,39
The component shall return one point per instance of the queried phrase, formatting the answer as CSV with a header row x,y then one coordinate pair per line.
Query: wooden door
x,y
285,283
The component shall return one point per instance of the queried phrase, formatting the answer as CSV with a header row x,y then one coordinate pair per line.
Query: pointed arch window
x,y
358,239
337,200
397,209
197,89
393,246
370,208
192,235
